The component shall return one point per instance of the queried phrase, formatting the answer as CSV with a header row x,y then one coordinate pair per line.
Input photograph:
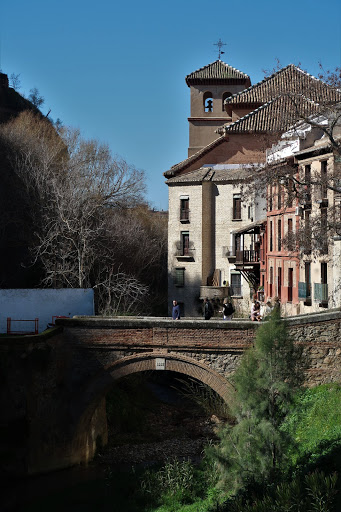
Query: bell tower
x,y
209,87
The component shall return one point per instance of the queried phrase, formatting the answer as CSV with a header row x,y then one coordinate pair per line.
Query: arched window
x,y
225,95
208,101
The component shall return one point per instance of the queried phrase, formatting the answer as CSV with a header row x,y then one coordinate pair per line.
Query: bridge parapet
x,y
160,332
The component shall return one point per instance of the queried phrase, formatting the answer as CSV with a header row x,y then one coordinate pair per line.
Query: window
x,y
238,248
208,102
307,180
279,197
324,273
307,232
236,284
279,282
279,234
307,279
184,243
225,95
321,289
324,179
250,213
270,239
290,283
291,193
184,209
271,279
290,236
270,197
237,207
304,287
324,233
179,277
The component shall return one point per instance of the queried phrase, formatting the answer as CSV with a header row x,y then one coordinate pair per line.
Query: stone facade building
x,y
214,231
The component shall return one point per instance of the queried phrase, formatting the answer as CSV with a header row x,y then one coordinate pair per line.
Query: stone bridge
x,y
54,384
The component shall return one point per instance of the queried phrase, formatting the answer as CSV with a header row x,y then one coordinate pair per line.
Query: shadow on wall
x,y
186,291
190,295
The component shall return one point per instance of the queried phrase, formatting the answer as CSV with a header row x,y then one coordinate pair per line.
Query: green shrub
x,y
316,492
314,424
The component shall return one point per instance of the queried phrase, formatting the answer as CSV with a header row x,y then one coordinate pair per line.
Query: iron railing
x,y
184,214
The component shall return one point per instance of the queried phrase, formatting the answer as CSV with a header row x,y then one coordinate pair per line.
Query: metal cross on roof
x,y
220,44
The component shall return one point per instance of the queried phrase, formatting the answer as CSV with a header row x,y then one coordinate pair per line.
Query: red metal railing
x,y
12,331
57,316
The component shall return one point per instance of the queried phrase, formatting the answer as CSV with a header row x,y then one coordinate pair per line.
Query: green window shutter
x,y
302,290
317,292
179,276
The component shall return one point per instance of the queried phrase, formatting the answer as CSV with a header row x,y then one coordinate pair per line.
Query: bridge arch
x,y
172,362
101,384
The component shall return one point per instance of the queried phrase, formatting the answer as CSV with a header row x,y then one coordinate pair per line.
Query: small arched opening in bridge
x,y
91,400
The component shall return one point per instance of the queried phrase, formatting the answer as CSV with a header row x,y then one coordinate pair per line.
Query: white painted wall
x,y
28,304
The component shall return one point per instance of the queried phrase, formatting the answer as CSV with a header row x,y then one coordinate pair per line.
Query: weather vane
x,y
220,44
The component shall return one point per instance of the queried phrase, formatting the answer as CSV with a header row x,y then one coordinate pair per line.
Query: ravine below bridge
x,y
53,394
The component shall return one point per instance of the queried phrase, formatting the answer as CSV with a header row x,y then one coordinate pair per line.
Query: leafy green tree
x,y
252,449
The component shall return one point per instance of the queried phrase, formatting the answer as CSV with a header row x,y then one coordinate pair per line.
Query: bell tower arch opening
x,y
208,101
225,95
209,86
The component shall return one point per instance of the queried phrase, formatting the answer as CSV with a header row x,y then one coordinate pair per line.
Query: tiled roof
x,y
217,70
290,79
249,227
275,116
193,158
210,174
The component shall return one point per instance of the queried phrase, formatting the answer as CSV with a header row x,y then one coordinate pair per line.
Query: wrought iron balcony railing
x,y
184,250
184,214
248,256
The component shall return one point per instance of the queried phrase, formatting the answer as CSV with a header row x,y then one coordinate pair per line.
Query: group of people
x,y
227,310
258,311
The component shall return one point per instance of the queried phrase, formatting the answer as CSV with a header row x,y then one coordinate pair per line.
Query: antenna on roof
x,y
220,44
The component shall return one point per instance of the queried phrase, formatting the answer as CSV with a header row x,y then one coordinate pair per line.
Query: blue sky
x,y
116,70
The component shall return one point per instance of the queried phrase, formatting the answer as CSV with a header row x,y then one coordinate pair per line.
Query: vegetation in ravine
x,y
284,450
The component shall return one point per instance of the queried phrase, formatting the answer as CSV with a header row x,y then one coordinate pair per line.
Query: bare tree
x,y
14,81
36,98
79,207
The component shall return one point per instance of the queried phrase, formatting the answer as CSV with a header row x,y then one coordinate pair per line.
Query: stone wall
x,y
320,337
40,431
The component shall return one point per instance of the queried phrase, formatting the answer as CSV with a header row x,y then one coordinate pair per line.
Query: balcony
x,y
229,253
306,201
247,257
184,251
184,215
323,203
214,292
